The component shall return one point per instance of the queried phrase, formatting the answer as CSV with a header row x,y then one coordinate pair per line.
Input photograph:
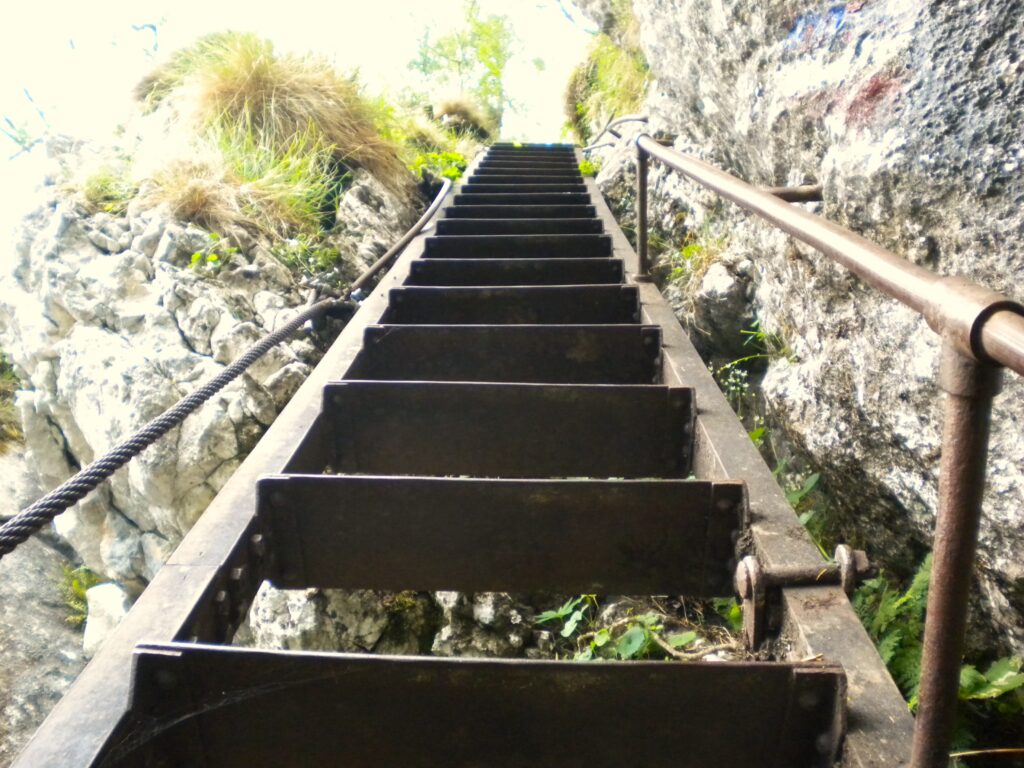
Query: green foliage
x,y
109,190
731,611
73,584
10,426
213,256
613,79
644,634
895,621
446,165
590,167
306,253
473,58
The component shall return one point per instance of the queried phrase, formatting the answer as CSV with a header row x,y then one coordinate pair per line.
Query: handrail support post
x,y
970,387
641,211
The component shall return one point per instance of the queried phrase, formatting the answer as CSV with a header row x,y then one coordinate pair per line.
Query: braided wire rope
x,y
27,522
19,528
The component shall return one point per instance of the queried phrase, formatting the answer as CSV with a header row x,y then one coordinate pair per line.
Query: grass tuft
x,y
10,424
464,117
276,135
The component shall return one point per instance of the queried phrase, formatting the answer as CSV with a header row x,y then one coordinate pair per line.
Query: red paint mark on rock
x,y
880,88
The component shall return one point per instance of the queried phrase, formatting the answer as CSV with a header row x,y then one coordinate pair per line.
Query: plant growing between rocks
x,y
10,425
73,585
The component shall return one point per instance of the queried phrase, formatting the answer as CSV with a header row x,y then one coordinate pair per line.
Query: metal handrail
x,y
610,127
980,329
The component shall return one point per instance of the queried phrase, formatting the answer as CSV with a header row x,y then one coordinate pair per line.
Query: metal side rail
x,y
509,410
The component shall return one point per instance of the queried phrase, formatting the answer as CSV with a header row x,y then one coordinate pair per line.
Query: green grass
x,y
108,190
612,81
10,424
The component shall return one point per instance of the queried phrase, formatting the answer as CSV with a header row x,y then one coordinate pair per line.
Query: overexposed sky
x,y
79,61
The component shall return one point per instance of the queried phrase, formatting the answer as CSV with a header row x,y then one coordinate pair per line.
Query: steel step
x,y
520,305
469,272
463,211
519,226
453,429
398,533
537,198
566,165
534,173
517,246
540,354
238,708
472,187
504,179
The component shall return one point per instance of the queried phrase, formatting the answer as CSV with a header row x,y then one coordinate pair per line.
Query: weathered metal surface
x,y
532,171
516,246
521,212
528,305
468,272
480,187
969,388
522,198
207,706
563,354
469,535
509,430
556,226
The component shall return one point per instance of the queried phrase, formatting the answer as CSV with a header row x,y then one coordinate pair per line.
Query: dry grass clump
x,y
463,116
236,79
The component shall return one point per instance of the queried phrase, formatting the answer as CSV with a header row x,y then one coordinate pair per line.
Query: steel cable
x,y
20,527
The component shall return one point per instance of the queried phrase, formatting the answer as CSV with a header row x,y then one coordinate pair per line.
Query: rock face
x,y
110,323
909,114
40,652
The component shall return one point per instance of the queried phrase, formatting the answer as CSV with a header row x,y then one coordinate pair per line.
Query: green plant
x,y
10,426
308,254
73,585
447,165
590,168
212,257
894,618
613,79
109,190
648,632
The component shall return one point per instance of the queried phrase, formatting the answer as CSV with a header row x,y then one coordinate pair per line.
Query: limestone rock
x,y
108,604
909,115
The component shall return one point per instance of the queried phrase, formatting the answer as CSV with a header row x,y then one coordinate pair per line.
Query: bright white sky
x,y
80,61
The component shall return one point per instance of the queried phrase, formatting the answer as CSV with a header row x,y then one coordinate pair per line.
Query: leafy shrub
x,y
308,254
73,585
446,165
10,426
590,167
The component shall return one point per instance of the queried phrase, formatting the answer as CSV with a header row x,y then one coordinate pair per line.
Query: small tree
x,y
473,58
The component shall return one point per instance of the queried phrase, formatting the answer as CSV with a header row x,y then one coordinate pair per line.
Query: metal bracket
x,y
754,580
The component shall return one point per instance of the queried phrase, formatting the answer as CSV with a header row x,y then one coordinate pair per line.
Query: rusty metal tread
x,y
524,305
483,429
538,354
521,198
511,272
519,226
472,535
481,187
232,707
517,246
520,211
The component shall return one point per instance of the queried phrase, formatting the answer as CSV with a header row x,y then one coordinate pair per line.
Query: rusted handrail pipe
x,y
978,327
610,127
983,323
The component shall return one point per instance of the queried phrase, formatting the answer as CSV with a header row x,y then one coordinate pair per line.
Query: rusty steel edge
x,y
174,606
982,323
818,622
